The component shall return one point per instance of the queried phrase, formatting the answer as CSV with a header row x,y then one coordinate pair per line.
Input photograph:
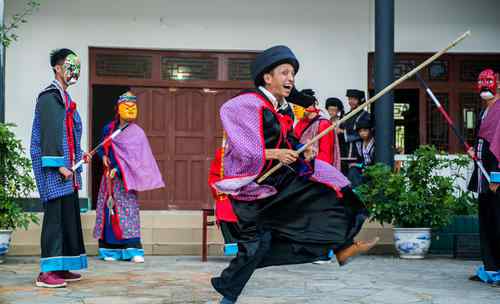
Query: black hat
x,y
334,102
304,98
58,55
360,95
364,124
271,58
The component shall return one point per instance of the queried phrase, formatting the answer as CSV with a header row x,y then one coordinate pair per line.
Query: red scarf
x,y
70,111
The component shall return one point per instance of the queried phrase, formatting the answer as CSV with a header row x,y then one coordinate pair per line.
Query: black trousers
x,y
298,225
489,230
230,232
62,243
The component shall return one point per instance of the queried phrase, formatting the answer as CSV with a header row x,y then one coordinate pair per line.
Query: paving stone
x,y
176,280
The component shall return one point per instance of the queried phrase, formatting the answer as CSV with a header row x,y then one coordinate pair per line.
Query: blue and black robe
x,y
62,244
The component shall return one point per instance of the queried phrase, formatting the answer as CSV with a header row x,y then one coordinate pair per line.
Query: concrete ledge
x,y
173,233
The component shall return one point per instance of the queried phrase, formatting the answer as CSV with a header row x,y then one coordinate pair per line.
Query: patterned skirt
x,y
118,231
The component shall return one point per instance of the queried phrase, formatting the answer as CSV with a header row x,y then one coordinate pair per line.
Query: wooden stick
x,y
112,136
370,101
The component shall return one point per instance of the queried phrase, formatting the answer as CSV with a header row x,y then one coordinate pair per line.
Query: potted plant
x,y
15,183
415,199
464,221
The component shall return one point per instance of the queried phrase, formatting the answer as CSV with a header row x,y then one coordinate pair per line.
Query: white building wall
x,y
330,37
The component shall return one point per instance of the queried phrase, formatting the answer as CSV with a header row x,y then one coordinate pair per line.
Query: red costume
x,y
223,209
325,144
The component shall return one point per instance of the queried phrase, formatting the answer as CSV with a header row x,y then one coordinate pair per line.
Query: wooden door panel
x,y
153,110
183,128
191,137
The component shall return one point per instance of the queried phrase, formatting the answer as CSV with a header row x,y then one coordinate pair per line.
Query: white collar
x,y
58,85
269,96
278,106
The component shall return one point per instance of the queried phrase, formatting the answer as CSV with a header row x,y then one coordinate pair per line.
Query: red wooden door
x,y
183,128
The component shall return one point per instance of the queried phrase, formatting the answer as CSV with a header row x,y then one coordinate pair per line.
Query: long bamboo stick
x,y
370,101
452,126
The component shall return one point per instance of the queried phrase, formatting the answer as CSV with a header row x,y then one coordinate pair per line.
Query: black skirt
x,y
299,224
305,218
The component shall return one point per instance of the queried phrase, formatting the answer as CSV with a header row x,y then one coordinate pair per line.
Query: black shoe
x,y
215,284
225,300
475,278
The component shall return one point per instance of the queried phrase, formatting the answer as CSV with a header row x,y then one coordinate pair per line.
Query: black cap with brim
x,y
271,58
334,102
360,95
364,124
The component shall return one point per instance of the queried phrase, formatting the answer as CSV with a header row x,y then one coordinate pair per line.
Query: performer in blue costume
x,y
55,148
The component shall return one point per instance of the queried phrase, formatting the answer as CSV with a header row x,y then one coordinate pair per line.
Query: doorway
x,y
179,94
406,120
104,99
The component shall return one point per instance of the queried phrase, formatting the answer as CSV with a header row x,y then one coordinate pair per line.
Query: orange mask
x,y
127,111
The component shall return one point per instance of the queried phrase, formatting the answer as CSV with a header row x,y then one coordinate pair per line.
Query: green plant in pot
x,y
415,200
15,183
464,225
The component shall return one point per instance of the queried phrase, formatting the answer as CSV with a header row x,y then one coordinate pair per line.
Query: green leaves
x,y
418,195
15,181
6,31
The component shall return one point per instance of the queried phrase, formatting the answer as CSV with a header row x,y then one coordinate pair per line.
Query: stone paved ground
x,y
367,280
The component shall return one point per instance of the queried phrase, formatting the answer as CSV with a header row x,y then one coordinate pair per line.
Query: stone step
x,y
169,233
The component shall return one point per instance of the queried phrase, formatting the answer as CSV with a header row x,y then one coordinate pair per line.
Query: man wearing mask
x,y
55,148
129,167
311,125
487,151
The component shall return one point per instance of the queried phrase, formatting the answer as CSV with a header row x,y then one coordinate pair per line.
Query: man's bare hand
x,y
65,172
287,156
310,153
494,187
87,157
106,162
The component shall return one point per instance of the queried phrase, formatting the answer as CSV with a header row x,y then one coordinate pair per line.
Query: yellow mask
x,y
127,111
298,111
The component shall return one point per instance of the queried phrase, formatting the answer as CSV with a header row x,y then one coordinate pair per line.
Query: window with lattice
x,y
239,69
438,70
470,69
401,67
123,66
470,108
437,128
180,68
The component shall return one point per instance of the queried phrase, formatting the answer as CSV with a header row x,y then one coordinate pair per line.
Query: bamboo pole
x,y
370,101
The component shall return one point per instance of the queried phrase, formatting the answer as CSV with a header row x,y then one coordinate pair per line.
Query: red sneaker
x,y
49,280
68,276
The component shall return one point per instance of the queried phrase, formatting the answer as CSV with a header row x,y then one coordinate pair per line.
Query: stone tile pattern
x,y
168,279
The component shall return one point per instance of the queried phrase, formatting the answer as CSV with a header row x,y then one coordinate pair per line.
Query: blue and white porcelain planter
x,y
5,237
412,243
